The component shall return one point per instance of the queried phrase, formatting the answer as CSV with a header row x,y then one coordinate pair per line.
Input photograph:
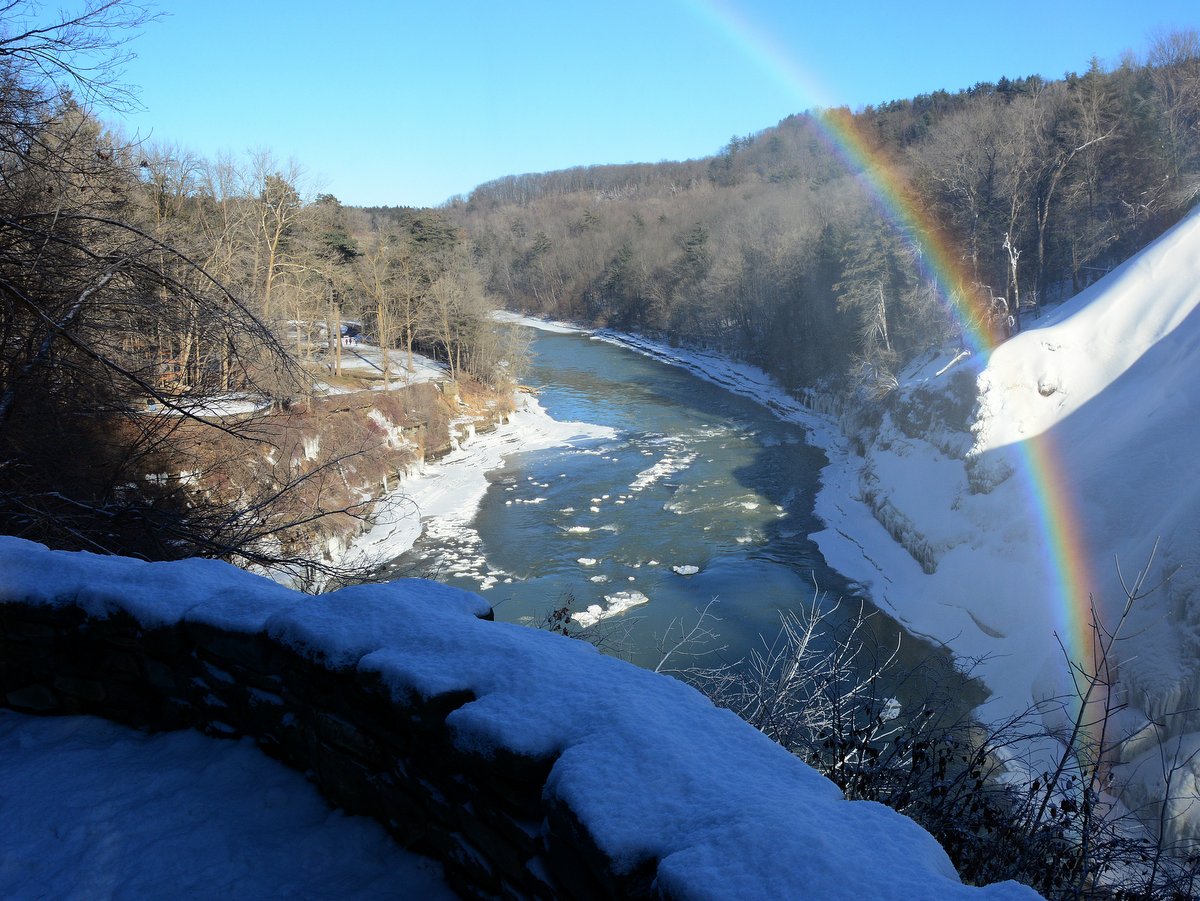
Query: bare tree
x,y
277,207
456,313
84,50
1174,69
117,344
384,276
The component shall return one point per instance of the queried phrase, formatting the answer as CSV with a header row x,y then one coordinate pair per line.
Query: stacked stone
x,y
392,758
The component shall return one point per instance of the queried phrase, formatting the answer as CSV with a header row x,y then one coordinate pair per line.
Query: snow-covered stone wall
x,y
531,765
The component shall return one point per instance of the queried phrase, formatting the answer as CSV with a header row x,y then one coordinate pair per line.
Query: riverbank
x,y
699,493
994,501
446,493
855,540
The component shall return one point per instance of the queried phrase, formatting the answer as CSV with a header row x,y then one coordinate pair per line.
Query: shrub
x,y
819,690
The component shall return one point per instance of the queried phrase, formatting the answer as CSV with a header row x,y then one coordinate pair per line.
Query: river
x,y
694,478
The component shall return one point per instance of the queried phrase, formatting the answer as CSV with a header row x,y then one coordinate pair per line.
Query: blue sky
x,y
409,103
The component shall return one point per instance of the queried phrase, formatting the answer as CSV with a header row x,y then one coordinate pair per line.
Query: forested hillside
x,y
143,284
777,249
146,291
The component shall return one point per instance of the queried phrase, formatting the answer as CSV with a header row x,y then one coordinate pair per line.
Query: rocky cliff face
x,y
316,474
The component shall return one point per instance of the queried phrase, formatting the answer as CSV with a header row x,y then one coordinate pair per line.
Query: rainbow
x,y
1062,534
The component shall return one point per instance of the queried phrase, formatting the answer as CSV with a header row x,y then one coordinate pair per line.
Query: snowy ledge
x,y
529,764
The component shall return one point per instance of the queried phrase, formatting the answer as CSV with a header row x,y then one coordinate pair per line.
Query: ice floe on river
x,y
614,605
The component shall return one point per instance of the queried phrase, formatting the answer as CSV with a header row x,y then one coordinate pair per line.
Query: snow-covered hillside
x,y
993,486
1083,429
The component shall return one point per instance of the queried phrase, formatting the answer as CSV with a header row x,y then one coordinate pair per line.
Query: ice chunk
x,y
615,604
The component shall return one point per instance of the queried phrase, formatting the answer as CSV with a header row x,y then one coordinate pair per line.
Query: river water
x,y
695,477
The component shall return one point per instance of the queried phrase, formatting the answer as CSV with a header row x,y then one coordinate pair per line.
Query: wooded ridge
x,y
780,251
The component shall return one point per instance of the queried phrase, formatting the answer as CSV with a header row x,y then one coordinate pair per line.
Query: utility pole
x,y
335,330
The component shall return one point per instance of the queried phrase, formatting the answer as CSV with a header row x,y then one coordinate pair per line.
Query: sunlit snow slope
x,y
1014,479
1111,379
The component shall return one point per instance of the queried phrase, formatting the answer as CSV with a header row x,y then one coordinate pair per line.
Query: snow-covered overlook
x,y
631,772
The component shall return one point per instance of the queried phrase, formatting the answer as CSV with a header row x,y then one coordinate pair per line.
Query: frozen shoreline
x,y
444,497
837,504
1078,456
452,488
986,602
853,541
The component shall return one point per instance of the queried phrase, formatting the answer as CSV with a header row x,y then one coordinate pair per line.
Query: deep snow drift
x,y
95,810
1107,383
1105,389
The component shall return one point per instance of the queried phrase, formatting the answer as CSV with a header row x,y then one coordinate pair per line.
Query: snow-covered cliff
x,y
1066,451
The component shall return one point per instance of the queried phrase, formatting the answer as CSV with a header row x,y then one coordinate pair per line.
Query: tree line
x,y
777,250
140,285
307,264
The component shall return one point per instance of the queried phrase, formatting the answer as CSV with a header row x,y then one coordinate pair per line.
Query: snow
x,y
1107,381
156,594
449,491
646,763
614,605
393,434
361,361
95,810
1108,378
546,325
1119,358
366,361
943,524
667,466
215,407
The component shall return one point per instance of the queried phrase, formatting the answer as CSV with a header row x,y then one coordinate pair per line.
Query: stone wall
x,y
368,753
529,764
